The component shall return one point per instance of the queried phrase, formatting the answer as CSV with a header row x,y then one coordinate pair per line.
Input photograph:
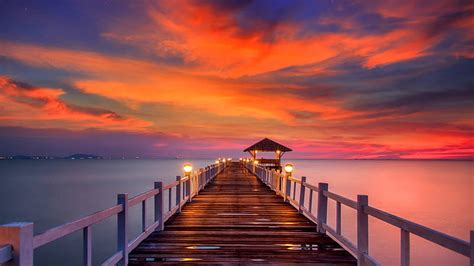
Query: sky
x,y
204,78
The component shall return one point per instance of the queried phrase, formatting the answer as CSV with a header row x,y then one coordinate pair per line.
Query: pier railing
x,y
287,186
18,242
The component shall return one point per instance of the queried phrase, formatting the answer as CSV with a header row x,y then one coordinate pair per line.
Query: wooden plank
x,y
236,219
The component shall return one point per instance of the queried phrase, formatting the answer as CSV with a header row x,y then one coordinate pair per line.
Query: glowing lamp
x,y
255,162
229,159
278,151
289,168
217,161
187,168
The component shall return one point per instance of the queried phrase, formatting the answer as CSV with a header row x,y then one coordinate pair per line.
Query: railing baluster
x,y
188,187
201,179
178,193
169,198
322,206
287,188
87,246
143,216
338,217
310,201
294,190
302,192
159,206
362,228
405,248
122,227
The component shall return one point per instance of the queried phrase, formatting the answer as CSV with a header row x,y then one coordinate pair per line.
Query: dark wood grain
x,y
238,220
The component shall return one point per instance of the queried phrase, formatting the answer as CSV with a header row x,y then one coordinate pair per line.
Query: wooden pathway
x,y
238,220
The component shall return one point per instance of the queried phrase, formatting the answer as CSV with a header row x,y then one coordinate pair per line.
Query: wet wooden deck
x,y
238,220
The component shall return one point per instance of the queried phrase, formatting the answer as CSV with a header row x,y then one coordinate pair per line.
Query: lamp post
x,y
188,168
288,171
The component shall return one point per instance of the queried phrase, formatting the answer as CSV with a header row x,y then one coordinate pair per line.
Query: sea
x,y
434,193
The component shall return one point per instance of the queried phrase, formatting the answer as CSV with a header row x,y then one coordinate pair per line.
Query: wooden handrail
x,y
341,199
360,251
308,185
68,228
442,239
141,197
294,180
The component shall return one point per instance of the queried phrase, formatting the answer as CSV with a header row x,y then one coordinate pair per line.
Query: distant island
x,y
77,156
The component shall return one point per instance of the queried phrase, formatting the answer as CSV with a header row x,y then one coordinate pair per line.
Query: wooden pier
x,y
231,213
237,219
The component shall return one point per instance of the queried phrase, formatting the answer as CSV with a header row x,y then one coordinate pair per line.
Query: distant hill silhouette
x,y
77,156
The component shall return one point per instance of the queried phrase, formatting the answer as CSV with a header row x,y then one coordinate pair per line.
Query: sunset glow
x,y
198,78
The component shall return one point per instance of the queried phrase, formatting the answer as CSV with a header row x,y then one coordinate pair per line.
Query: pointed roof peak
x,y
267,144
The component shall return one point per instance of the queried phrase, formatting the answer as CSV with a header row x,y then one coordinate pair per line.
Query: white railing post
x,y
188,187
322,206
287,188
302,192
87,246
405,248
201,179
362,228
159,206
178,193
20,237
122,221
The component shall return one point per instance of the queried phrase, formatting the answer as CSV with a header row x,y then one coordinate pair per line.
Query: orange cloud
x,y
211,41
135,82
42,107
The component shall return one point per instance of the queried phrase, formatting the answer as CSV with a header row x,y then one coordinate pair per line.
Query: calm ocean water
x,y
437,194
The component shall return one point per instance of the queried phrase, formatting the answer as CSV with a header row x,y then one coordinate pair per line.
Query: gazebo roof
x,y
267,145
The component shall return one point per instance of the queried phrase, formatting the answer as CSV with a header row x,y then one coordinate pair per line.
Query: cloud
x,y
344,79
253,37
26,104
